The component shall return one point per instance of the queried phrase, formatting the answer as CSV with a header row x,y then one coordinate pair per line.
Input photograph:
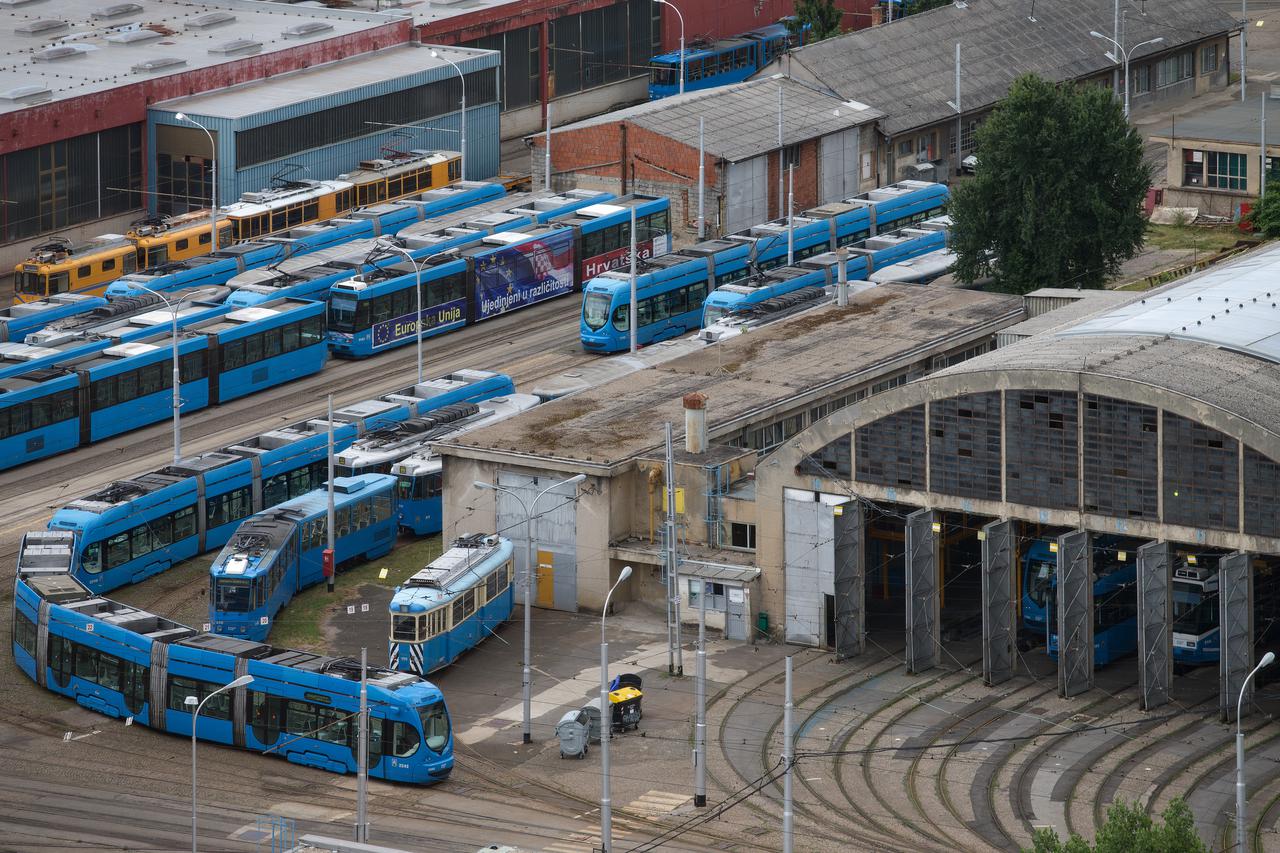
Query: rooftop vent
x,y
117,10
158,64
42,27
26,94
235,46
310,28
210,19
62,51
133,36
8,4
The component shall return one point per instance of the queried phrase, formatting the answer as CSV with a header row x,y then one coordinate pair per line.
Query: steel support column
x,y
1074,617
999,604
1155,624
923,616
1235,596
850,579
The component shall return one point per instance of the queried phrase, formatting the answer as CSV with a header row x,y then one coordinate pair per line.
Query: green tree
x,y
1265,217
911,7
1057,192
1128,829
821,15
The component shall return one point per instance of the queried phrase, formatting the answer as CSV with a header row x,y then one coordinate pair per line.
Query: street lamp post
x,y
681,17
606,724
462,79
213,175
417,325
1267,660
527,674
1125,54
191,700
177,372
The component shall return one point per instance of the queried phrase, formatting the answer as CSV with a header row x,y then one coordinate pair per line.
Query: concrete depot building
x,y
760,389
882,469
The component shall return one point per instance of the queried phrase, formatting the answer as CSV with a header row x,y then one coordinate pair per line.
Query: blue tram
x,y
1115,612
310,276
504,272
730,60
132,529
387,217
280,551
452,604
1197,632
83,400
126,663
120,321
673,289
865,257
22,318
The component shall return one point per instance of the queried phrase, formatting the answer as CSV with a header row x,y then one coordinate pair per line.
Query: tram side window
x,y
61,655
217,708
265,716
491,585
455,170
228,507
464,606
37,414
24,633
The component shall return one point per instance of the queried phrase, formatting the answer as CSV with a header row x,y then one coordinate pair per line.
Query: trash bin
x,y
592,710
626,708
572,730
628,679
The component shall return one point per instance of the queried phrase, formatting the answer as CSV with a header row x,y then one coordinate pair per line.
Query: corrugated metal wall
x,y
483,139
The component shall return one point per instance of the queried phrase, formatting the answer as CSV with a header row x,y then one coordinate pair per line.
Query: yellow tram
x,y
57,266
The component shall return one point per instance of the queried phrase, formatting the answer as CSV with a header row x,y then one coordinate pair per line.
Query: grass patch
x,y
1192,238
302,622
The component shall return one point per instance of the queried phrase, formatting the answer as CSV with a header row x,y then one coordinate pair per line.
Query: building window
x,y
1208,59
906,148
521,64
1192,168
742,536
1141,79
1226,171
603,46
362,118
57,185
1174,69
790,156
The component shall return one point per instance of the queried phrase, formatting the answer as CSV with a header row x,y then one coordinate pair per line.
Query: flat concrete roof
x,y
306,84
51,50
746,377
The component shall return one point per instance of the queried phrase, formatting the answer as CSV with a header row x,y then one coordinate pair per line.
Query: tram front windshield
x,y
595,309
1039,577
713,314
342,313
232,595
30,283
435,726
1194,611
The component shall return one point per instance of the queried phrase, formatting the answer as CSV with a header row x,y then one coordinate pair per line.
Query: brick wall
x,y
594,157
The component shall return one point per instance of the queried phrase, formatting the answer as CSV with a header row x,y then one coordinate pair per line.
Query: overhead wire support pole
x,y
702,182
417,326
1244,28
632,308
791,215
675,655
462,78
546,154
1262,173
213,181
362,770
779,150
788,761
700,693
328,556
177,370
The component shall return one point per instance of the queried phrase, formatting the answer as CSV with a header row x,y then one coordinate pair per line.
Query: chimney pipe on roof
x,y
695,422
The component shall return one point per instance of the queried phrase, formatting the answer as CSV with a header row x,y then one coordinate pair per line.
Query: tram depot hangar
x,y
1150,418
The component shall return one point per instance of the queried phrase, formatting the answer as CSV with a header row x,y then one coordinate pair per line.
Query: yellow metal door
x,y
546,580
